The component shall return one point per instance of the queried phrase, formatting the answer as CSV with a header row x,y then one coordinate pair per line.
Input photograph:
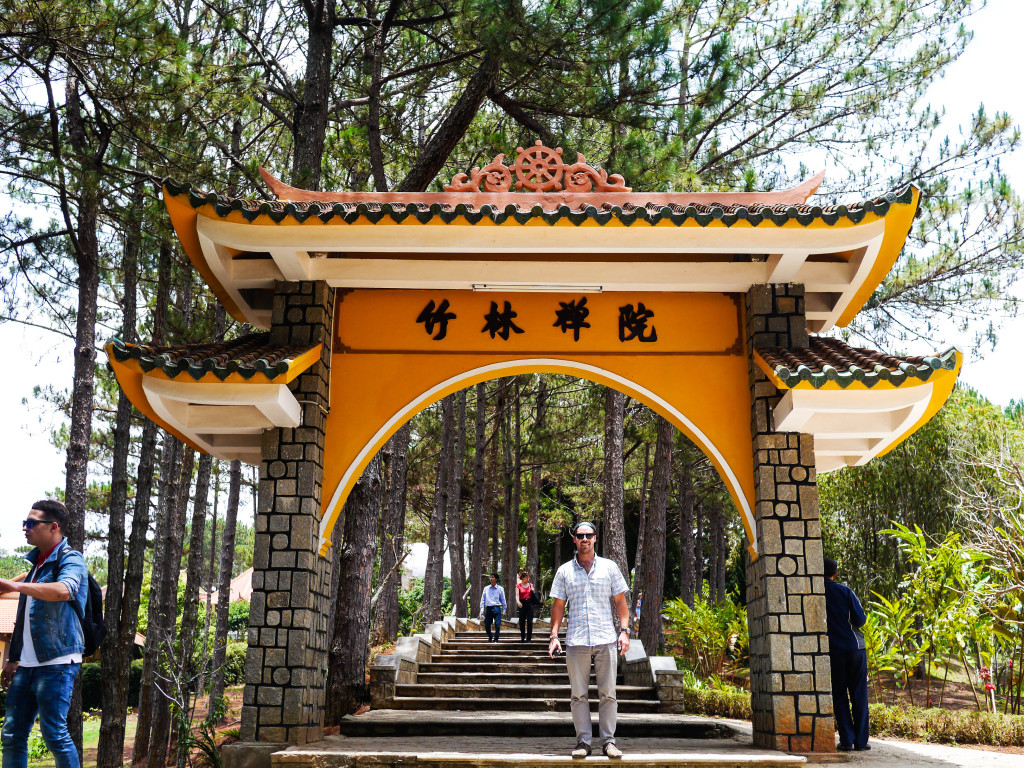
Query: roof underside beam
x,y
830,262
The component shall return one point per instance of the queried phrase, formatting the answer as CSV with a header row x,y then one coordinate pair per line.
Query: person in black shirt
x,y
849,661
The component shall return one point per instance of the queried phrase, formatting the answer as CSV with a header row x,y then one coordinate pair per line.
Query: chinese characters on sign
x,y
633,324
439,317
571,316
500,323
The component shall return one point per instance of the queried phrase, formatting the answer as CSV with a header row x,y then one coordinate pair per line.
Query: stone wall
x,y
789,663
286,665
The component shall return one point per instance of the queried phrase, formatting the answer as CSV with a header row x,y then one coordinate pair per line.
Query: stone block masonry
x,y
286,666
791,681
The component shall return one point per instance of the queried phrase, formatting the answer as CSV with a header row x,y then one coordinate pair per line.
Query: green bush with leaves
x,y
707,637
947,726
712,702
234,663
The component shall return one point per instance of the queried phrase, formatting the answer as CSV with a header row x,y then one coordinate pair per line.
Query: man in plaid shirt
x,y
590,584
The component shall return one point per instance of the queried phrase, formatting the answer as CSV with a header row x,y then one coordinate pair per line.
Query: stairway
x,y
475,704
471,674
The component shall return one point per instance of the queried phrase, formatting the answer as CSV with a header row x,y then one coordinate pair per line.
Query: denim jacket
x,y
56,627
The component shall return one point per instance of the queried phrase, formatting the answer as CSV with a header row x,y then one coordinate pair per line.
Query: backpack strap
x,y
79,612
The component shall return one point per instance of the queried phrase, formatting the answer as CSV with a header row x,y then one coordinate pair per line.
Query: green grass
x,y
90,738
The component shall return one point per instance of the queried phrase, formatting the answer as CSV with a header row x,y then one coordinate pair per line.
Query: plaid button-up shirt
x,y
589,599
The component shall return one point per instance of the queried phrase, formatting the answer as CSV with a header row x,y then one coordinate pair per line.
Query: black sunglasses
x,y
30,524
586,535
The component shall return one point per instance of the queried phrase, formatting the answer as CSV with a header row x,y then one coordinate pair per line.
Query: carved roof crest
x,y
538,169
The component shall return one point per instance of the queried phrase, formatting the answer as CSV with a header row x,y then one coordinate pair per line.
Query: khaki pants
x,y
605,658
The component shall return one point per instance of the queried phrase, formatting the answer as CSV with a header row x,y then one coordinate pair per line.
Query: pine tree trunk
x,y
346,677
638,562
480,517
614,481
116,655
698,549
452,128
456,533
190,605
493,513
161,718
87,257
713,558
723,554
227,562
392,546
686,536
532,520
169,476
654,541
433,578
517,485
310,127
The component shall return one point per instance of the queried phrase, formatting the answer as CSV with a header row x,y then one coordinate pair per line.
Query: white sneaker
x,y
582,750
610,750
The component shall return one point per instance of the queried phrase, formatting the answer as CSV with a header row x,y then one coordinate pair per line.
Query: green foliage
x,y
37,749
910,486
238,618
708,636
711,702
12,564
204,740
234,663
410,605
92,676
947,726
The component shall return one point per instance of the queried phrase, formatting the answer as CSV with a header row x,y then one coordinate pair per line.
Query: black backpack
x,y
93,626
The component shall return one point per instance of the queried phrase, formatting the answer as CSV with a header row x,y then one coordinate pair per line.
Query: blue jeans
x,y
45,691
492,615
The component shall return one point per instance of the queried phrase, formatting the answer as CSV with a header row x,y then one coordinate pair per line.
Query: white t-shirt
x,y
28,650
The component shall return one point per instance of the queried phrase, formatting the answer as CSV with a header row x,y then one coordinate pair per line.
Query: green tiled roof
x,y
247,356
828,359
652,213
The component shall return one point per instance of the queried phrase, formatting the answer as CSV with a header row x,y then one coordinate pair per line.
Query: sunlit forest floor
x,y
91,731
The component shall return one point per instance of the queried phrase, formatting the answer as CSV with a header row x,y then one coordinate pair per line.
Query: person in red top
x,y
526,599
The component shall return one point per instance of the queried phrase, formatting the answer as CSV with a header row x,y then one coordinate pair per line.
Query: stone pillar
x,y
790,675
286,665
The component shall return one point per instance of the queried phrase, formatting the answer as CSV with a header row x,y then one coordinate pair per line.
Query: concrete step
x,y
483,645
521,691
498,657
524,668
555,704
496,678
486,752
499,724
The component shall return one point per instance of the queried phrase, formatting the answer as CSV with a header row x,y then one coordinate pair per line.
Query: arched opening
x,y
711,419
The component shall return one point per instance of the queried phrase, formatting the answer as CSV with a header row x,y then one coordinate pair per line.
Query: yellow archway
x,y
696,376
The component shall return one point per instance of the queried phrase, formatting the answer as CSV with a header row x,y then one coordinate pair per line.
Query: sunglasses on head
x,y
586,535
30,524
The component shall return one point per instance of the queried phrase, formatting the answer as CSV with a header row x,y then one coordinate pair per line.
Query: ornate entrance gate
x,y
379,304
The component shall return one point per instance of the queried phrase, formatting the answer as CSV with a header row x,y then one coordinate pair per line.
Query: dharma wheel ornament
x,y
538,169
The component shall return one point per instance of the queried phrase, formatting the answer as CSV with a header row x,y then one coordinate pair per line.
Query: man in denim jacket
x,y
46,649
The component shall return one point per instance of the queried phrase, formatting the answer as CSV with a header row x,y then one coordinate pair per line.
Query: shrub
x,y
92,676
234,663
718,703
947,726
704,638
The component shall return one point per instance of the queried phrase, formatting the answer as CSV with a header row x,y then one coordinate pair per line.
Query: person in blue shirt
x,y
492,606
48,640
849,660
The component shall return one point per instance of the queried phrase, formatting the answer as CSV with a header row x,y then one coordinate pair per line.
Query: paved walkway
x,y
886,753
